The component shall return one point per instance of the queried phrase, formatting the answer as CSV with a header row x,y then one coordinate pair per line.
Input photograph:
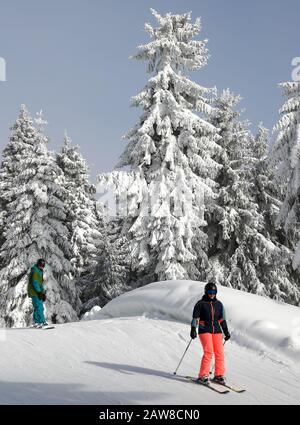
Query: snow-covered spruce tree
x,y
286,148
276,267
266,191
112,275
31,188
286,156
170,150
232,217
245,251
84,225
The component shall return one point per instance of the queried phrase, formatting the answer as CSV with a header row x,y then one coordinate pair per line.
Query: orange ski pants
x,y
212,346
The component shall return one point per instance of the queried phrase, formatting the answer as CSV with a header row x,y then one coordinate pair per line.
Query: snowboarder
x,y
209,317
37,293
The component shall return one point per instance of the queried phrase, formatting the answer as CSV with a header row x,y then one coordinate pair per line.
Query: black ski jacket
x,y
209,316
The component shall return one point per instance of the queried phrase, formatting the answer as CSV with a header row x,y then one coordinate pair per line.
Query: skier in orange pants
x,y
209,316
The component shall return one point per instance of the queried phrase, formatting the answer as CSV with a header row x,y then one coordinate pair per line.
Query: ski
x,y
46,328
209,385
229,386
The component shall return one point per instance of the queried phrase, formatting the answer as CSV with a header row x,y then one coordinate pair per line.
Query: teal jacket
x,y
35,282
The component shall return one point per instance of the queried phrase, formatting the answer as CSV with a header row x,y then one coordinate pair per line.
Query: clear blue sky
x,y
70,58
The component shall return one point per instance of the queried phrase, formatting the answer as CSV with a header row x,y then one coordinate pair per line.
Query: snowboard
x,y
44,328
30,327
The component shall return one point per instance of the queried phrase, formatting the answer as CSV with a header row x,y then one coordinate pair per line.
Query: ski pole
x,y
183,356
212,369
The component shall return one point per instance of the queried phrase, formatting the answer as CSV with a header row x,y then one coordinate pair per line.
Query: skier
x,y
37,293
209,316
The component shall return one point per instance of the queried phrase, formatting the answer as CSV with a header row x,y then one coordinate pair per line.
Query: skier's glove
x,y
193,332
225,330
42,296
227,337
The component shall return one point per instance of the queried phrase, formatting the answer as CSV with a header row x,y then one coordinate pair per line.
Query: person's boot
x,y
203,380
219,380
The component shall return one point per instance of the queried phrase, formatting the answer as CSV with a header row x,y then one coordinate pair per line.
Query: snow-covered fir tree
x,y
285,151
84,224
286,156
31,189
170,150
277,273
233,215
245,250
112,275
266,191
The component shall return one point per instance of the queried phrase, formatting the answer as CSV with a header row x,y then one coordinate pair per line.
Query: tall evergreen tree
x,y
31,191
112,274
245,250
233,214
266,193
170,151
286,156
276,266
285,151
80,205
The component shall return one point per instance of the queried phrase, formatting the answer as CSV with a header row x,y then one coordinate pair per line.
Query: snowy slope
x,y
131,359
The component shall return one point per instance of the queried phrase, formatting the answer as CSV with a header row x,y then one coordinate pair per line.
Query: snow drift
x,y
265,325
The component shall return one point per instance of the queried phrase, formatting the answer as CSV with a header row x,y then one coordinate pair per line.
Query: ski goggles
x,y
212,292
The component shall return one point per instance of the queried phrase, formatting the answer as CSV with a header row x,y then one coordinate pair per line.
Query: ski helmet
x,y
210,287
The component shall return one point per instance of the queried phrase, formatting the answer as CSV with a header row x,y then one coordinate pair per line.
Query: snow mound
x,y
258,323
90,315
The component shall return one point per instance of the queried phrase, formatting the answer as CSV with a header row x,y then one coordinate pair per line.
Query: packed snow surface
x,y
128,354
